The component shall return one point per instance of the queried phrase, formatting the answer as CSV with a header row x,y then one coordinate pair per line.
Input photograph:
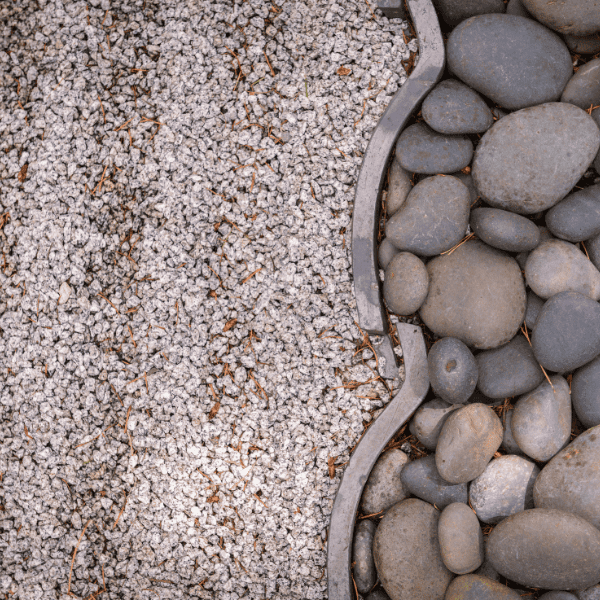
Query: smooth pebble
x,y
384,488
583,89
427,422
478,587
577,217
585,393
504,230
386,252
574,17
461,539
362,555
399,187
406,284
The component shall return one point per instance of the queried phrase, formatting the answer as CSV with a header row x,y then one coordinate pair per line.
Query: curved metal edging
x,y
373,171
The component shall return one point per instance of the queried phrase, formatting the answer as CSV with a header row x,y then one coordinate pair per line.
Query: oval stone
x,y
575,17
362,555
584,44
508,371
546,548
504,488
433,218
406,284
583,89
478,587
585,393
398,188
567,332
504,230
461,539
476,294
468,440
407,552
421,150
427,423
515,62
386,252
571,480
454,108
508,440
577,217
532,158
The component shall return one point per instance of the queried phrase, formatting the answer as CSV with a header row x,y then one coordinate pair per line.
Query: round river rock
x,y
386,252
398,188
461,539
384,488
504,230
575,17
362,555
577,217
406,283
427,423
583,89
477,587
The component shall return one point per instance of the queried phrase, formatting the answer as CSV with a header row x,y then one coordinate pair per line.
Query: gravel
x,y
179,382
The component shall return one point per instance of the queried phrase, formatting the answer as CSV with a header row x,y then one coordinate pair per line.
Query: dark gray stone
x,y
384,488
454,108
577,217
468,440
478,587
515,62
378,595
503,489
558,595
468,181
541,421
386,252
480,398
362,556
508,440
546,548
461,539
530,160
504,230
566,335
427,423
583,89
422,150
534,306
515,7
405,284
574,17
508,371
399,186
421,478
585,393
571,480
452,370
433,218
545,234
596,118
407,552
476,294
584,44
593,249
455,11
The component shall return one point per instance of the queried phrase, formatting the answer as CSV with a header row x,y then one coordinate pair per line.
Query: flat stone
x,y
531,159
585,393
571,480
541,421
362,556
558,595
515,62
577,217
386,252
452,370
583,44
454,108
421,478
407,552
399,187
504,230
566,334
508,371
508,440
461,539
574,17
419,149
427,422
583,89
468,440
534,306
546,548
455,11
433,218
515,7
478,587
476,294
384,488
406,284
504,488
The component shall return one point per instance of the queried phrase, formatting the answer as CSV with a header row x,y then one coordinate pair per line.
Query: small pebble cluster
x,y
492,240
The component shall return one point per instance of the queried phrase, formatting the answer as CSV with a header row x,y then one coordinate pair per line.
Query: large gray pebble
x,y
508,440
571,480
584,44
452,370
406,284
362,556
546,548
583,89
461,539
384,488
468,440
476,294
454,108
585,393
504,230
558,595
478,587
577,217
557,266
534,306
532,158
455,11
567,332
504,488
575,17
399,187
508,371
541,421
433,218
407,552
421,150
421,478
515,62
427,423
386,252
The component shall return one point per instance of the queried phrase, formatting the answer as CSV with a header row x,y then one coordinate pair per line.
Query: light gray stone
x,y
406,284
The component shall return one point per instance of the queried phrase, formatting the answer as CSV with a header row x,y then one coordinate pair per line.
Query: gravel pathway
x,y
178,366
